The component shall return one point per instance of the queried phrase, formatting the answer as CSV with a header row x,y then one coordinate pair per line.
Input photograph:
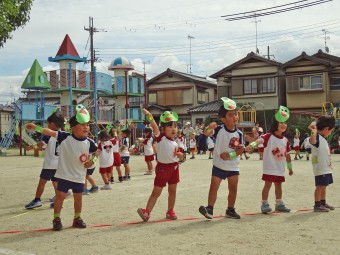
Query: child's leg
x,y
278,190
214,186
127,169
265,190
232,187
40,188
149,163
119,171
55,184
319,192
77,203
58,203
156,192
172,196
91,181
104,177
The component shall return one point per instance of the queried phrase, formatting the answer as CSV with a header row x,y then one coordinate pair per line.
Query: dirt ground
x,y
114,226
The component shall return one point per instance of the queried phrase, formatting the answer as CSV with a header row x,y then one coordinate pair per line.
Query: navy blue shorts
x,y
125,160
90,171
309,150
48,174
211,149
223,174
64,186
323,180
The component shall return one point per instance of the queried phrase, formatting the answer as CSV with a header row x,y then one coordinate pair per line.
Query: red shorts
x,y
166,173
182,150
261,149
117,161
192,149
296,148
104,170
149,157
273,178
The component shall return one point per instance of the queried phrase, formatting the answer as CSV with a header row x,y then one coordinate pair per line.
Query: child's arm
x,y
312,138
152,122
232,154
45,131
39,145
254,144
209,130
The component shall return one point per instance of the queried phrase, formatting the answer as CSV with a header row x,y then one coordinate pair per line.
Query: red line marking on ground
x,y
141,222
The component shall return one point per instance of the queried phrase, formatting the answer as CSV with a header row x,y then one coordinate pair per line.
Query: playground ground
x,y
114,226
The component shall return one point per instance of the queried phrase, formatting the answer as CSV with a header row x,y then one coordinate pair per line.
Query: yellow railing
x,y
247,113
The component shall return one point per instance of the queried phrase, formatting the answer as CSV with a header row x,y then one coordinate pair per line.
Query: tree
x,y
13,14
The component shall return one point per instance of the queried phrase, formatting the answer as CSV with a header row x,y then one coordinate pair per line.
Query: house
x,y
6,114
317,76
177,91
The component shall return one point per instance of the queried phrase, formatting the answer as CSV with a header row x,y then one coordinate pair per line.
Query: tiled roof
x,y
212,106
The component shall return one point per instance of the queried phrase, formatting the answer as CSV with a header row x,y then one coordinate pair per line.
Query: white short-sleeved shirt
x,y
126,144
226,141
296,142
106,153
192,143
166,149
73,154
147,143
274,155
51,152
180,142
210,142
321,157
306,143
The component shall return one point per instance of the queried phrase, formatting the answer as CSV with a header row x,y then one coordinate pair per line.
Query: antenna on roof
x,y
326,38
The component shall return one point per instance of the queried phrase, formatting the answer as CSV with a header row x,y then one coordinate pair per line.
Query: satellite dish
x,y
327,49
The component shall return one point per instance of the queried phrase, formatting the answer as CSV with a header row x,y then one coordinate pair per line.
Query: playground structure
x,y
247,120
111,100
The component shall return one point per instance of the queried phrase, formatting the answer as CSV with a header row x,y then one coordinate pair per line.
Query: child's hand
x,y
30,126
145,111
88,164
213,125
290,171
239,149
180,155
248,149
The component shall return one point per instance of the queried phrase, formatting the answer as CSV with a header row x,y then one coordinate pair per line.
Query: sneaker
x,y
52,199
231,213
57,224
295,158
106,187
120,178
125,178
86,192
148,173
94,189
128,178
206,212
112,181
281,208
33,204
265,208
69,193
247,158
329,207
52,205
300,157
78,223
171,215
144,214
307,158
320,208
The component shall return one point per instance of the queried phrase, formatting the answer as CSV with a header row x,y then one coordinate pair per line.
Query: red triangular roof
x,y
67,47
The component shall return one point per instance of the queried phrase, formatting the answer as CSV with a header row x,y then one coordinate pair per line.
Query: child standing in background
x,y
296,145
117,161
72,164
307,146
167,168
321,160
192,144
180,140
55,122
148,150
125,154
105,147
211,144
276,154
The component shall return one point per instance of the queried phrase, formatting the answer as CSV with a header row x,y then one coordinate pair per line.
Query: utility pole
x,y
92,30
190,37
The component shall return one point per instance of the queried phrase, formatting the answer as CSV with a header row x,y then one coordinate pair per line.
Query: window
x,y
152,97
306,82
202,97
335,83
262,85
170,97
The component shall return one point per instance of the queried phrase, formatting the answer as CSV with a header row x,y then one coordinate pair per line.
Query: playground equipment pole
x,y
264,115
95,99
70,84
126,96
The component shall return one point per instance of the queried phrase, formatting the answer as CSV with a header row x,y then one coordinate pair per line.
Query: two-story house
x,y
177,91
311,81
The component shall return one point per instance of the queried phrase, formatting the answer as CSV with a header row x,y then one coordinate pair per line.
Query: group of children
x,y
75,148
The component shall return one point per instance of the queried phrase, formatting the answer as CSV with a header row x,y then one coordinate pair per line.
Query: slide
x,y
25,137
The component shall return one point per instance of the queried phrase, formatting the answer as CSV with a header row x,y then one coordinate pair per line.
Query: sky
x,y
154,35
